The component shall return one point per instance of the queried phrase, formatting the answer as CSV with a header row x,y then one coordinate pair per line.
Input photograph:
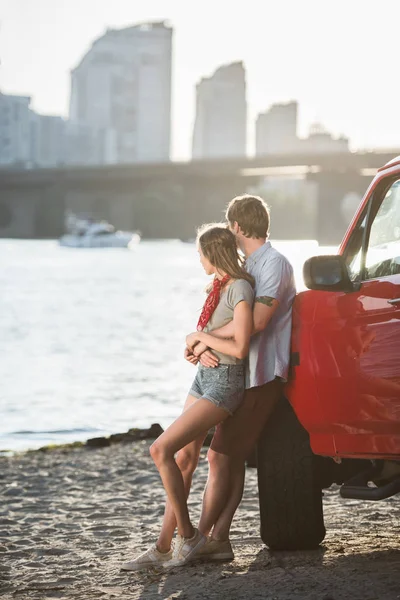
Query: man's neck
x,y
250,245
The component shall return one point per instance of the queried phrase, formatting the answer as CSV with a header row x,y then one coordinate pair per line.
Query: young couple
x,y
242,343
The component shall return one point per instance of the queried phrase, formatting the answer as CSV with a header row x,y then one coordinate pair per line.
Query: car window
x,y
354,251
383,251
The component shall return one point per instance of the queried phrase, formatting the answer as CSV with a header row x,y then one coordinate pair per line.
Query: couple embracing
x,y
242,348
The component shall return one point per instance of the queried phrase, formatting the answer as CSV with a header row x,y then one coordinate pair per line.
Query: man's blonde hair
x,y
251,213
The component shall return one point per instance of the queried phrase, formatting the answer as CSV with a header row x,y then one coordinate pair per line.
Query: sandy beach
x,y
69,517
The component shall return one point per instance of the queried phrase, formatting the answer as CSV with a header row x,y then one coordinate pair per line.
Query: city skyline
x,y
323,60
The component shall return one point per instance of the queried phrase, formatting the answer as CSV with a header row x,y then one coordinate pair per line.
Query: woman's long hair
x,y
218,245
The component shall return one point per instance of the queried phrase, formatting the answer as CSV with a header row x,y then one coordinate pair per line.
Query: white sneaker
x,y
185,549
151,558
216,550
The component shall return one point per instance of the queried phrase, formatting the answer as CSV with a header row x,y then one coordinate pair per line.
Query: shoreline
x,y
133,434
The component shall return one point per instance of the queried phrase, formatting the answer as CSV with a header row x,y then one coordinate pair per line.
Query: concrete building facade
x,y
15,132
276,130
27,139
48,141
221,114
121,92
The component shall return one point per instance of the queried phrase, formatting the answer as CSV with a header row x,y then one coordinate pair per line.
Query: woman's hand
x,y
192,339
190,357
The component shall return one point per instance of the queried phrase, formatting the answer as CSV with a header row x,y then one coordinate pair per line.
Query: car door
x,y
360,394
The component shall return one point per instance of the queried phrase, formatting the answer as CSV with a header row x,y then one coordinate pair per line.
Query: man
x,y
268,364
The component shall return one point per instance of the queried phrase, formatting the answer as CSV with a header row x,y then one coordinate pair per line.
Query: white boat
x,y
86,233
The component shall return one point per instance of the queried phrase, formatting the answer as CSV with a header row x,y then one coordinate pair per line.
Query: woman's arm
x,y
237,346
199,349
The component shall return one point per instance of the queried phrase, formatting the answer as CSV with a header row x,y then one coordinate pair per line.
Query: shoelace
x,y
152,553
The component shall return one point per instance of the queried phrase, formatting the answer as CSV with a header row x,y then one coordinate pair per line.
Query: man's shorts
x,y
223,385
237,436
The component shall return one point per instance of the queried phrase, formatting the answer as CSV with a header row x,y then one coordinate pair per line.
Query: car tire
x,y
290,493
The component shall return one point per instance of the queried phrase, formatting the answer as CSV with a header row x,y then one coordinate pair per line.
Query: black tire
x,y
289,489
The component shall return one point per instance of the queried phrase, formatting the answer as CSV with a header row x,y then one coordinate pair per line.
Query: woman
x,y
215,393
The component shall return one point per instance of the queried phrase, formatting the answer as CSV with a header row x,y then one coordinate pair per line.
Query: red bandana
x,y
211,302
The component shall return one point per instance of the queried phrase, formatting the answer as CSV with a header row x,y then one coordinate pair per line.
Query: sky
x,y
339,59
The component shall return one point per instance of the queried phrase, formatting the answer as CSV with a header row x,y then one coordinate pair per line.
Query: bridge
x,y
170,200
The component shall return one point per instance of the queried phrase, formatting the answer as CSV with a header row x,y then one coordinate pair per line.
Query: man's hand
x,y
190,357
208,359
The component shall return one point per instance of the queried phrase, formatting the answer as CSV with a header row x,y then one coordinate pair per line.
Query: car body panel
x,y
345,376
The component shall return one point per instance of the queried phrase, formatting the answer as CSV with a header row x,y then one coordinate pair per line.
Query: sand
x,y
68,518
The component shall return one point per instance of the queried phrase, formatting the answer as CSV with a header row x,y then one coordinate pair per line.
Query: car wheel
x,y
290,493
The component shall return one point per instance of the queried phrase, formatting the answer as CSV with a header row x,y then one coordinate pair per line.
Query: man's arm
x,y
263,310
226,332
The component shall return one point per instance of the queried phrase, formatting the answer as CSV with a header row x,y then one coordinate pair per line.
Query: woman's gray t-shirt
x,y
238,291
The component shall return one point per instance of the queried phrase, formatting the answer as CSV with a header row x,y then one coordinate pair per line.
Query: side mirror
x,y
328,273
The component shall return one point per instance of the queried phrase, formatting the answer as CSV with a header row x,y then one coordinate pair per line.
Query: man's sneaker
x,y
185,549
216,550
151,558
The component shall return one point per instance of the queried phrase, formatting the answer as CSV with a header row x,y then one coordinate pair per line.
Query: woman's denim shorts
x,y
223,385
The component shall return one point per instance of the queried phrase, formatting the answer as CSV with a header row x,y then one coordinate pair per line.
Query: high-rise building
x,y
15,122
88,145
221,114
27,139
48,140
276,130
121,92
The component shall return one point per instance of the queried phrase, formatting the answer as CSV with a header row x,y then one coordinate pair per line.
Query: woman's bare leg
x,y
186,459
194,422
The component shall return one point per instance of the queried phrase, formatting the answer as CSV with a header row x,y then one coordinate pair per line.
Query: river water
x,y
91,341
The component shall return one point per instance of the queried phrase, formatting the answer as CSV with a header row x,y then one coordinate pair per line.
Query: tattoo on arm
x,y
267,300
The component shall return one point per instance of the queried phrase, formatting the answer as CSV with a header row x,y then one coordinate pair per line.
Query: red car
x,y
342,422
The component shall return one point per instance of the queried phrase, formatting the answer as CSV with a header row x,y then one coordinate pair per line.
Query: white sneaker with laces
x,y
185,549
151,558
